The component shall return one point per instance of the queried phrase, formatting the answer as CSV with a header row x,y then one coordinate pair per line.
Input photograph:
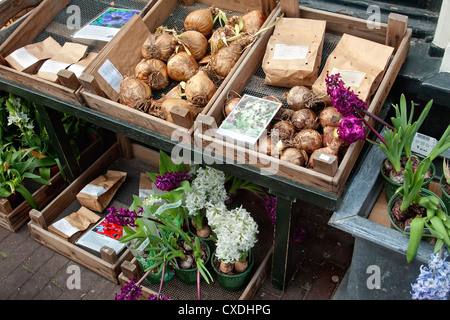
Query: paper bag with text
x,y
99,192
294,52
70,53
30,57
361,64
70,227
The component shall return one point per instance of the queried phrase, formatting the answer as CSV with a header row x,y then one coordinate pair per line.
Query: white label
x,y
93,190
65,227
77,69
52,66
324,157
24,58
351,78
287,52
110,73
423,144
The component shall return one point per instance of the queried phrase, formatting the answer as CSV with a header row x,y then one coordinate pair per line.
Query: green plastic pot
x,y
233,282
390,186
394,198
189,276
445,197
153,278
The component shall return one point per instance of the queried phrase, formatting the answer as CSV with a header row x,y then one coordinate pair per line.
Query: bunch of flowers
x,y
235,231
170,180
433,282
207,187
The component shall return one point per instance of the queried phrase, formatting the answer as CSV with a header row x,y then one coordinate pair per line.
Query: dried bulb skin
x,y
200,89
182,66
223,61
216,41
230,104
308,140
305,119
159,46
329,116
195,42
286,130
153,72
201,20
132,91
297,97
294,156
252,21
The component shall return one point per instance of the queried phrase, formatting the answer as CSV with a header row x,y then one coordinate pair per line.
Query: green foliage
x,y
17,166
436,221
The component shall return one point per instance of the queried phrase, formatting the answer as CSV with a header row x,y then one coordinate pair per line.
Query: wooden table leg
x,y
282,265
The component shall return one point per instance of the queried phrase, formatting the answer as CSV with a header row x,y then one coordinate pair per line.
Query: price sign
x,y
423,144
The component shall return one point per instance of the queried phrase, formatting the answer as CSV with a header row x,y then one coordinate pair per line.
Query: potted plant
x,y
236,233
445,183
419,208
398,137
16,166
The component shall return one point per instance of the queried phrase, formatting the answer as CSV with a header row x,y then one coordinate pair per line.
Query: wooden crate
x,y
108,265
12,218
40,19
395,33
158,15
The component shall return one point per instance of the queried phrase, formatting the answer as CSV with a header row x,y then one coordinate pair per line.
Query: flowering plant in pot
x,y
420,208
445,183
16,166
236,235
398,137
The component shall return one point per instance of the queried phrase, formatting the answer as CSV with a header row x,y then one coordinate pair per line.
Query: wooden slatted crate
x,y
395,34
161,13
39,20
108,265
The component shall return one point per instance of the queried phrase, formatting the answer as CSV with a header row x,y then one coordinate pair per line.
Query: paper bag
x,y
99,192
30,57
79,67
70,53
294,52
361,64
70,227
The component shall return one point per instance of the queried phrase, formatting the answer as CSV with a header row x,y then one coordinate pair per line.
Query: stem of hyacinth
x,y
384,123
441,255
374,131
198,284
162,279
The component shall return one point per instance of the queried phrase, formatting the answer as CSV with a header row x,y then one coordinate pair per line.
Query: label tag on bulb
x,y
423,144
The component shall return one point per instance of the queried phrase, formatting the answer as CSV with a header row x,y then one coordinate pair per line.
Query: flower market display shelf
x,y
177,290
56,19
100,95
109,262
250,77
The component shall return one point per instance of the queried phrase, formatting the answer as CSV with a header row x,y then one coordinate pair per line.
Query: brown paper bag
x,y
99,192
79,67
30,57
361,64
70,53
294,52
71,227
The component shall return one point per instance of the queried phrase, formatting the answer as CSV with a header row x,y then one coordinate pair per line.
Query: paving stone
x,y
13,282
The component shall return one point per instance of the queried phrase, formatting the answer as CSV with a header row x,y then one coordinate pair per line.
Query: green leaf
x,y
152,175
27,195
416,227
438,225
165,163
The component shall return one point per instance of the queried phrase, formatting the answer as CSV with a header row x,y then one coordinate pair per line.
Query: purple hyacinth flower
x,y
130,291
122,217
170,180
351,129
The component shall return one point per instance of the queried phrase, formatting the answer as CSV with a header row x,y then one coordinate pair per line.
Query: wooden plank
x,y
68,79
77,254
397,26
340,24
9,9
325,163
290,8
5,206
33,25
258,278
36,84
